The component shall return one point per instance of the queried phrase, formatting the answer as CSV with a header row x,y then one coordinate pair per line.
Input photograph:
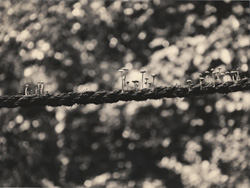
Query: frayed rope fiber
x,y
101,97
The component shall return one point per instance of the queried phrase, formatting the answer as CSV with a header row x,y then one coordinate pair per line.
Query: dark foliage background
x,y
80,45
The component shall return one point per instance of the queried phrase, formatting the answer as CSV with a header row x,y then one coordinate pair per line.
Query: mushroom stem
x,y
42,88
127,85
142,72
38,88
26,92
153,76
142,81
201,79
36,91
232,75
218,76
125,71
227,76
189,84
238,74
121,71
146,82
222,77
149,85
214,79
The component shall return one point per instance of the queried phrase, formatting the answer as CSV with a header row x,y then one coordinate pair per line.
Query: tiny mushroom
x,y
146,81
142,72
121,71
149,85
214,78
201,79
228,76
238,74
127,84
125,71
207,77
189,83
153,76
26,92
232,73
136,83
42,88
222,76
219,68
38,88
218,76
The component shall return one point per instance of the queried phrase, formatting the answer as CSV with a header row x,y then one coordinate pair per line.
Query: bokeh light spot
x,y
142,35
25,125
113,42
225,56
244,67
128,11
208,109
19,119
59,127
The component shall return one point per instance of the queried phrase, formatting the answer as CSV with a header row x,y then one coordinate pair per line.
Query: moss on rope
x,y
101,97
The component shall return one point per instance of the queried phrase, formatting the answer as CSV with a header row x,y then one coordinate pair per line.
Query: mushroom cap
x,y
26,85
212,69
227,72
146,78
189,81
201,78
142,71
120,70
153,75
206,72
222,74
124,69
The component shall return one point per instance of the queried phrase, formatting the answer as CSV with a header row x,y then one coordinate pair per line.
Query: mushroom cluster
x,y
144,84
39,89
216,76
207,78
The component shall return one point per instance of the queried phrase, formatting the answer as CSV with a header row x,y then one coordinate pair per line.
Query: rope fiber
x,y
101,97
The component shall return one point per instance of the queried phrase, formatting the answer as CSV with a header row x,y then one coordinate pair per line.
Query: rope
x,y
101,97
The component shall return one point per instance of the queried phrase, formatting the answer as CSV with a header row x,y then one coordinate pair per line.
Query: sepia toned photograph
x,y
125,93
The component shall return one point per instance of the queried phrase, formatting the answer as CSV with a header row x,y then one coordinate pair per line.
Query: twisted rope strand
x,y
101,97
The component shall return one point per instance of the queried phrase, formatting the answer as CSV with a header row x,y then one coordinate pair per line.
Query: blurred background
x,y
79,46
